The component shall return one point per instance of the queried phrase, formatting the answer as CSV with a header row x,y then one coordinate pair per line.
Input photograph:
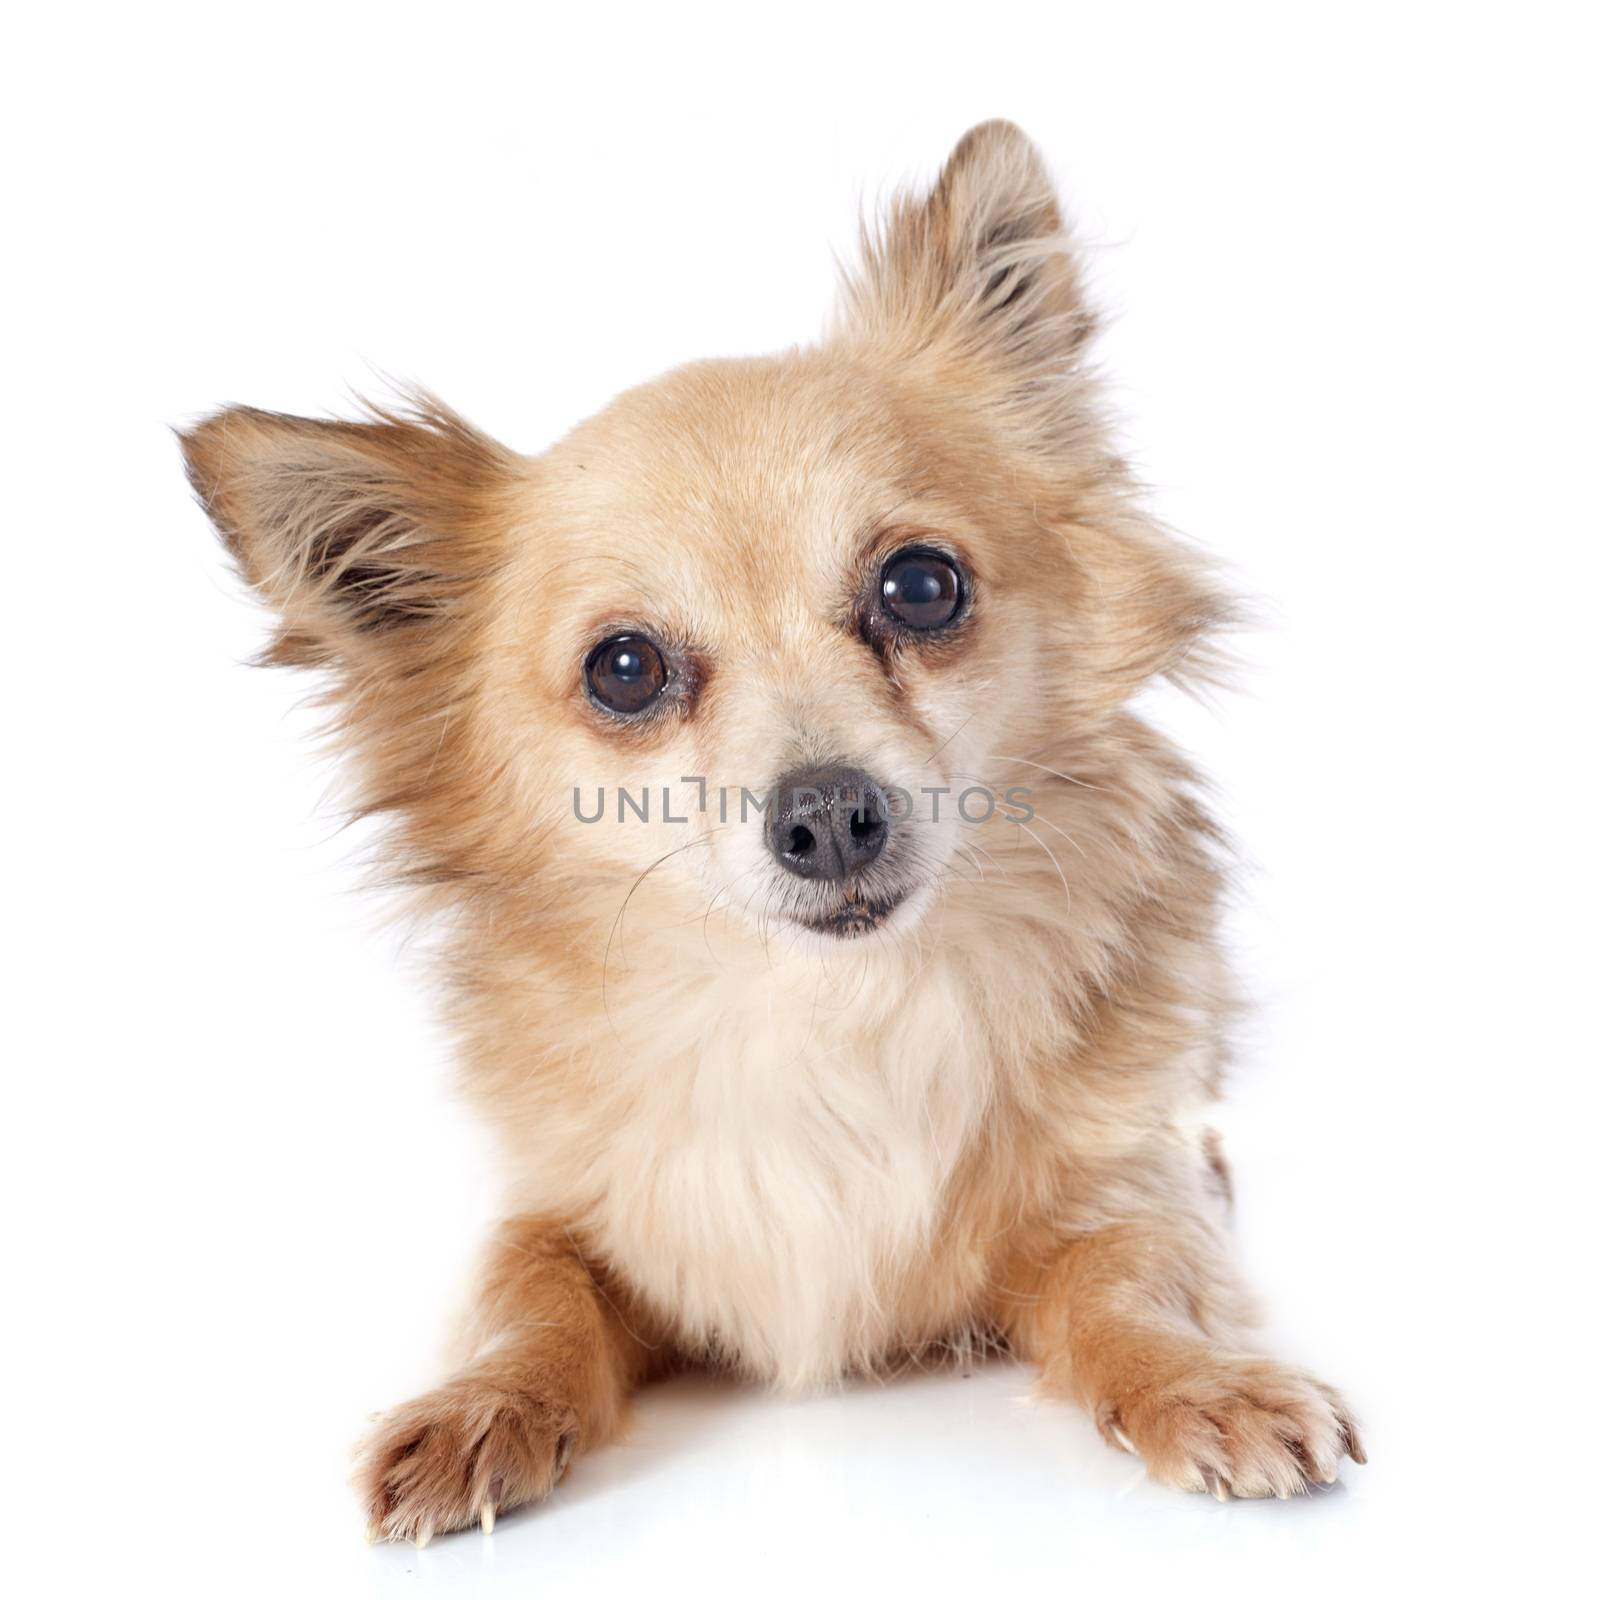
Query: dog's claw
x,y
486,1516
1123,1440
424,1535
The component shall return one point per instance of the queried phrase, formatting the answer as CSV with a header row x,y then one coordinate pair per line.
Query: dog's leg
x,y
551,1364
1145,1325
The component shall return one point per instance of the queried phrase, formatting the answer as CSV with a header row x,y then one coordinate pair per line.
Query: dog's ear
x,y
980,266
360,534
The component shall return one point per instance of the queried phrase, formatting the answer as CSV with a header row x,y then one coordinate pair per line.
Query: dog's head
x,y
788,638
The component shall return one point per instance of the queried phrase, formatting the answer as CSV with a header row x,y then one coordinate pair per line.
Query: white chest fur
x,y
769,1163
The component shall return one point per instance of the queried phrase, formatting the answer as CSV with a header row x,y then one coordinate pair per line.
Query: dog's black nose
x,y
827,822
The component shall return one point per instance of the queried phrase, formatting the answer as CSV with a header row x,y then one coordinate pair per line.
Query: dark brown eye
x,y
625,673
921,589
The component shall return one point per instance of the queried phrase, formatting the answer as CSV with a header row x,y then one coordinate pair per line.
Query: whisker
x,y
622,911
1066,777
1053,862
711,905
1039,816
977,689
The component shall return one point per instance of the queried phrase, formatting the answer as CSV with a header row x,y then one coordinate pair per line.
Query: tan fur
x,y
727,1138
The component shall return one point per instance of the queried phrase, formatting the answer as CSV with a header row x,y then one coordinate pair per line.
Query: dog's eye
x,y
921,589
625,673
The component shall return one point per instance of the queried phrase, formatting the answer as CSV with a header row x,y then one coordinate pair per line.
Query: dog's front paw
x,y
1233,1425
459,1455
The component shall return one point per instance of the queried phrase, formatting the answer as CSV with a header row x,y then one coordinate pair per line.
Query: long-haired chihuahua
x,y
831,948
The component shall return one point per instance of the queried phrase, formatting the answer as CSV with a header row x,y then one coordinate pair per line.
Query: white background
x,y
1351,254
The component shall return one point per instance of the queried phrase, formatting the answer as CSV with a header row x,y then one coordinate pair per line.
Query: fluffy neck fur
x,y
803,1162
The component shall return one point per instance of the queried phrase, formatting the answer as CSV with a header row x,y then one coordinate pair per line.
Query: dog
x,y
793,1071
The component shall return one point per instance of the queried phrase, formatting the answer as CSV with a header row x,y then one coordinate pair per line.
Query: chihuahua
x,y
832,949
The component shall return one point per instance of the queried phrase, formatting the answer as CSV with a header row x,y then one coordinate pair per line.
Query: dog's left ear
x,y
980,267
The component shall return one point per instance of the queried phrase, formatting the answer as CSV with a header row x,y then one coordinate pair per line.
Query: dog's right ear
x,y
360,534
